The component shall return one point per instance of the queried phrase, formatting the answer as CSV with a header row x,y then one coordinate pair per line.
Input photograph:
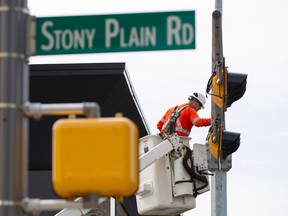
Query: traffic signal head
x,y
227,144
95,156
230,143
231,89
236,87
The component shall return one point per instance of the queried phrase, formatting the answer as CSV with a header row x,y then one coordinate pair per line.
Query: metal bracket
x,y
215,132
217,52
31,36
213,164
5,8
219,68
37,110
35,206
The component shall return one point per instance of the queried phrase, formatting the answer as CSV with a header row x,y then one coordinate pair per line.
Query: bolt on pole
x,y
14,75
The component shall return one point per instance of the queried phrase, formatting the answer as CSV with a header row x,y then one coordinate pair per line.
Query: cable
x,y
209,83
192,173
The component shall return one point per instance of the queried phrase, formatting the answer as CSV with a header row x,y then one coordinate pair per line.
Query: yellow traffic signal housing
x,y
95,156
215,146
231,89
219,91
227,144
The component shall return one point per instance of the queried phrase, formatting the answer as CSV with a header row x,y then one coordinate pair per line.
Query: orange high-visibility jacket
x,y
185,122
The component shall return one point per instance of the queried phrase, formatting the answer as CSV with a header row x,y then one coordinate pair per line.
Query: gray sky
x,y
255,42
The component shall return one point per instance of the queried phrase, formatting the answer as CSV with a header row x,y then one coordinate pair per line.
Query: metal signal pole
x,y
222,143
218,5
219,178
14,77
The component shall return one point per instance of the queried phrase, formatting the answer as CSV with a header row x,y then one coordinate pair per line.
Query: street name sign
x,y
115,33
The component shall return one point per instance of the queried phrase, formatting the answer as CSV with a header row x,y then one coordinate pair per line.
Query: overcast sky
x,y
255,37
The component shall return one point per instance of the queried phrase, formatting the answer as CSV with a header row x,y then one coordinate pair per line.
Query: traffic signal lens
x,y
230,143
236,87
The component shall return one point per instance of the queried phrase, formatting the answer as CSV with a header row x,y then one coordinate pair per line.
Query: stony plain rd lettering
x,y
146,36
143,36
114,34
66,39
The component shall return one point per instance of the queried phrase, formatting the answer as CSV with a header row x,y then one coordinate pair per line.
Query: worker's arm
x,y
202,122
197,121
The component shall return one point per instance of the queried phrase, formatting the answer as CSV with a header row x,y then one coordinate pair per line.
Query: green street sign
x,y
115,33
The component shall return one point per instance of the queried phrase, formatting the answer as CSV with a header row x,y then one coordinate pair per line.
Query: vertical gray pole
x,y
218,5
218,194
13,93
219,178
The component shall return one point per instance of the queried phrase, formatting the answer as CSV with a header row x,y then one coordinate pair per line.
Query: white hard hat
x,y
200,97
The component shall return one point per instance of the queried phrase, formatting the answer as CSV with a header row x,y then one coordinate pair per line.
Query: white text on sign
x,y
178,33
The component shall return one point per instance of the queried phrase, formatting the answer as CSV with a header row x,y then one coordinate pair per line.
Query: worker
x,y
180,119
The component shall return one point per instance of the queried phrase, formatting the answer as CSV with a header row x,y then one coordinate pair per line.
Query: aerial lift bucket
x,y
165,187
